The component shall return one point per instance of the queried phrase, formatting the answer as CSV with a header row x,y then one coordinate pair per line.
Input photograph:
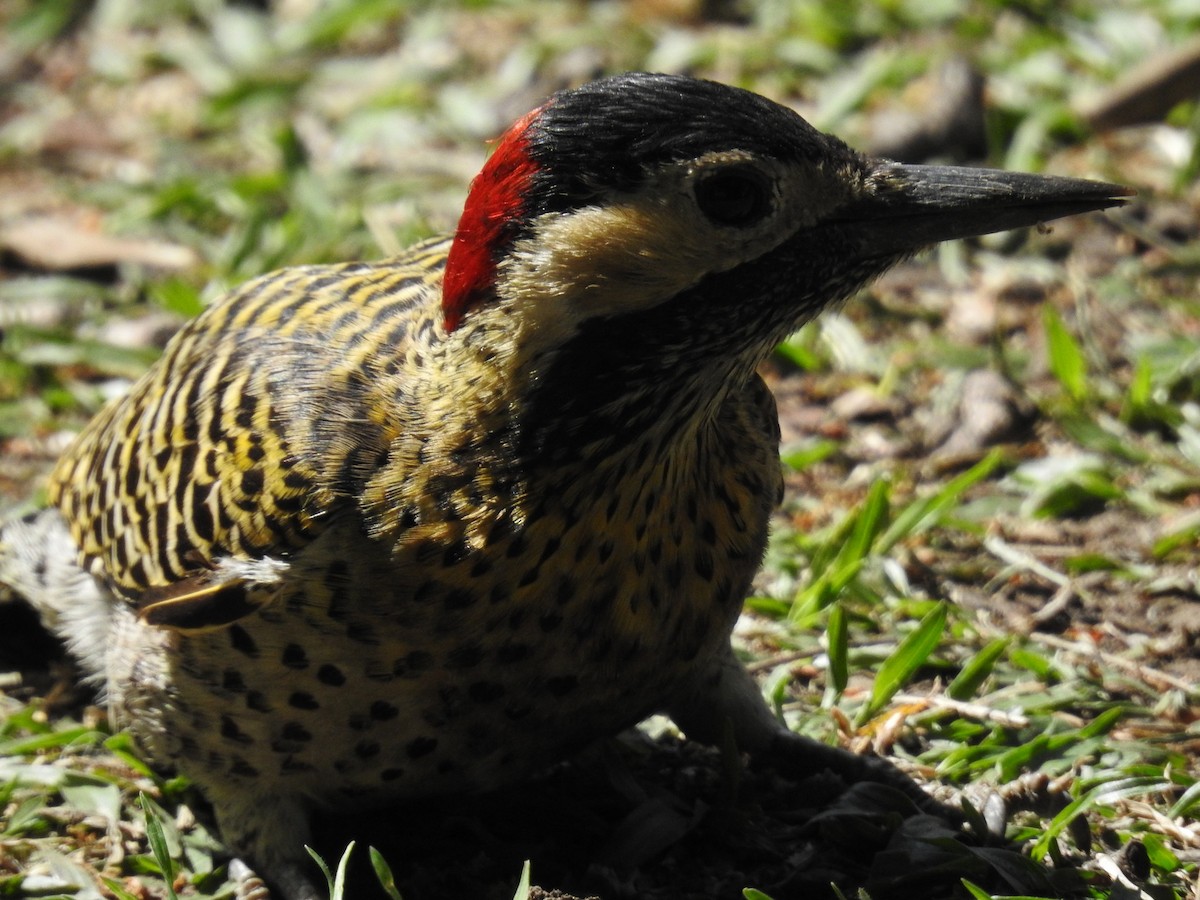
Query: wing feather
x,y
257,426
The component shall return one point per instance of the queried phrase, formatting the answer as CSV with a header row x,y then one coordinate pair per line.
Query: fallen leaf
x,y
60,243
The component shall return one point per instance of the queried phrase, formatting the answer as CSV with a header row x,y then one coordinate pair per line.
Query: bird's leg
x,y
273,831
246,883
290,883
726,696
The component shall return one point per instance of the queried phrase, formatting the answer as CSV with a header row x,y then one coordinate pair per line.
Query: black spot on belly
x,y
565,592
518,546
339,604
583,547
412,665
422,746
243,768
257,701
331,675
674,574
241,641
562,685
599,649
455,554
485,691
294,731
294,657
376,672
362,633
366,749
382,711
465,657
459,599
231,732
337,573
517,711
231,680
434,718
302,700
391,774
551,547
481,742
513,653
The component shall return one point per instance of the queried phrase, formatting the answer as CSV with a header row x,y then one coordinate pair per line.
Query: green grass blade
x,y
1102,793
158,845
1067,361
1102,724
800,458
523,885
383,873
921,513
324,868
834,570
976,670
1188,803
910,655
868,523
837,634
26,816
70,737
339,880
114,887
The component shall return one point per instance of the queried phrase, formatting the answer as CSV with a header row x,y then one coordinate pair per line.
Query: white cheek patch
x,y
608,258
642,249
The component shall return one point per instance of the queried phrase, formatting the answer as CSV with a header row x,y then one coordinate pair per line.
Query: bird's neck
x,y
502,416
494,427
614,394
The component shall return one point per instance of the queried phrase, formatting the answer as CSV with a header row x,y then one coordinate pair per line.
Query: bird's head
x,y
664,232
624,194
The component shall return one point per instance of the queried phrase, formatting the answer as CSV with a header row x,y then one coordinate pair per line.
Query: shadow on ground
x,y
670,819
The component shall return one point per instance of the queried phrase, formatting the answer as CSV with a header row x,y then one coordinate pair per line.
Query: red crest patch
x,y
495,200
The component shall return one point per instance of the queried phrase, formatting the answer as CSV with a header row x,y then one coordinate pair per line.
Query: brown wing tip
x,y
195,605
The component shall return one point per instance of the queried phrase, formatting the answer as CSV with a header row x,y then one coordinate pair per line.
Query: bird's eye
x,y
734,197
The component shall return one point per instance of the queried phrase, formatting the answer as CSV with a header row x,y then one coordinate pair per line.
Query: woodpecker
x,y
379,530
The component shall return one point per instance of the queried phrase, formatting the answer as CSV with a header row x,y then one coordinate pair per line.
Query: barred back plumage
x,y
253,425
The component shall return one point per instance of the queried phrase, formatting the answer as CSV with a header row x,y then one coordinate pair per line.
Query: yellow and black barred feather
x,y
256,423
